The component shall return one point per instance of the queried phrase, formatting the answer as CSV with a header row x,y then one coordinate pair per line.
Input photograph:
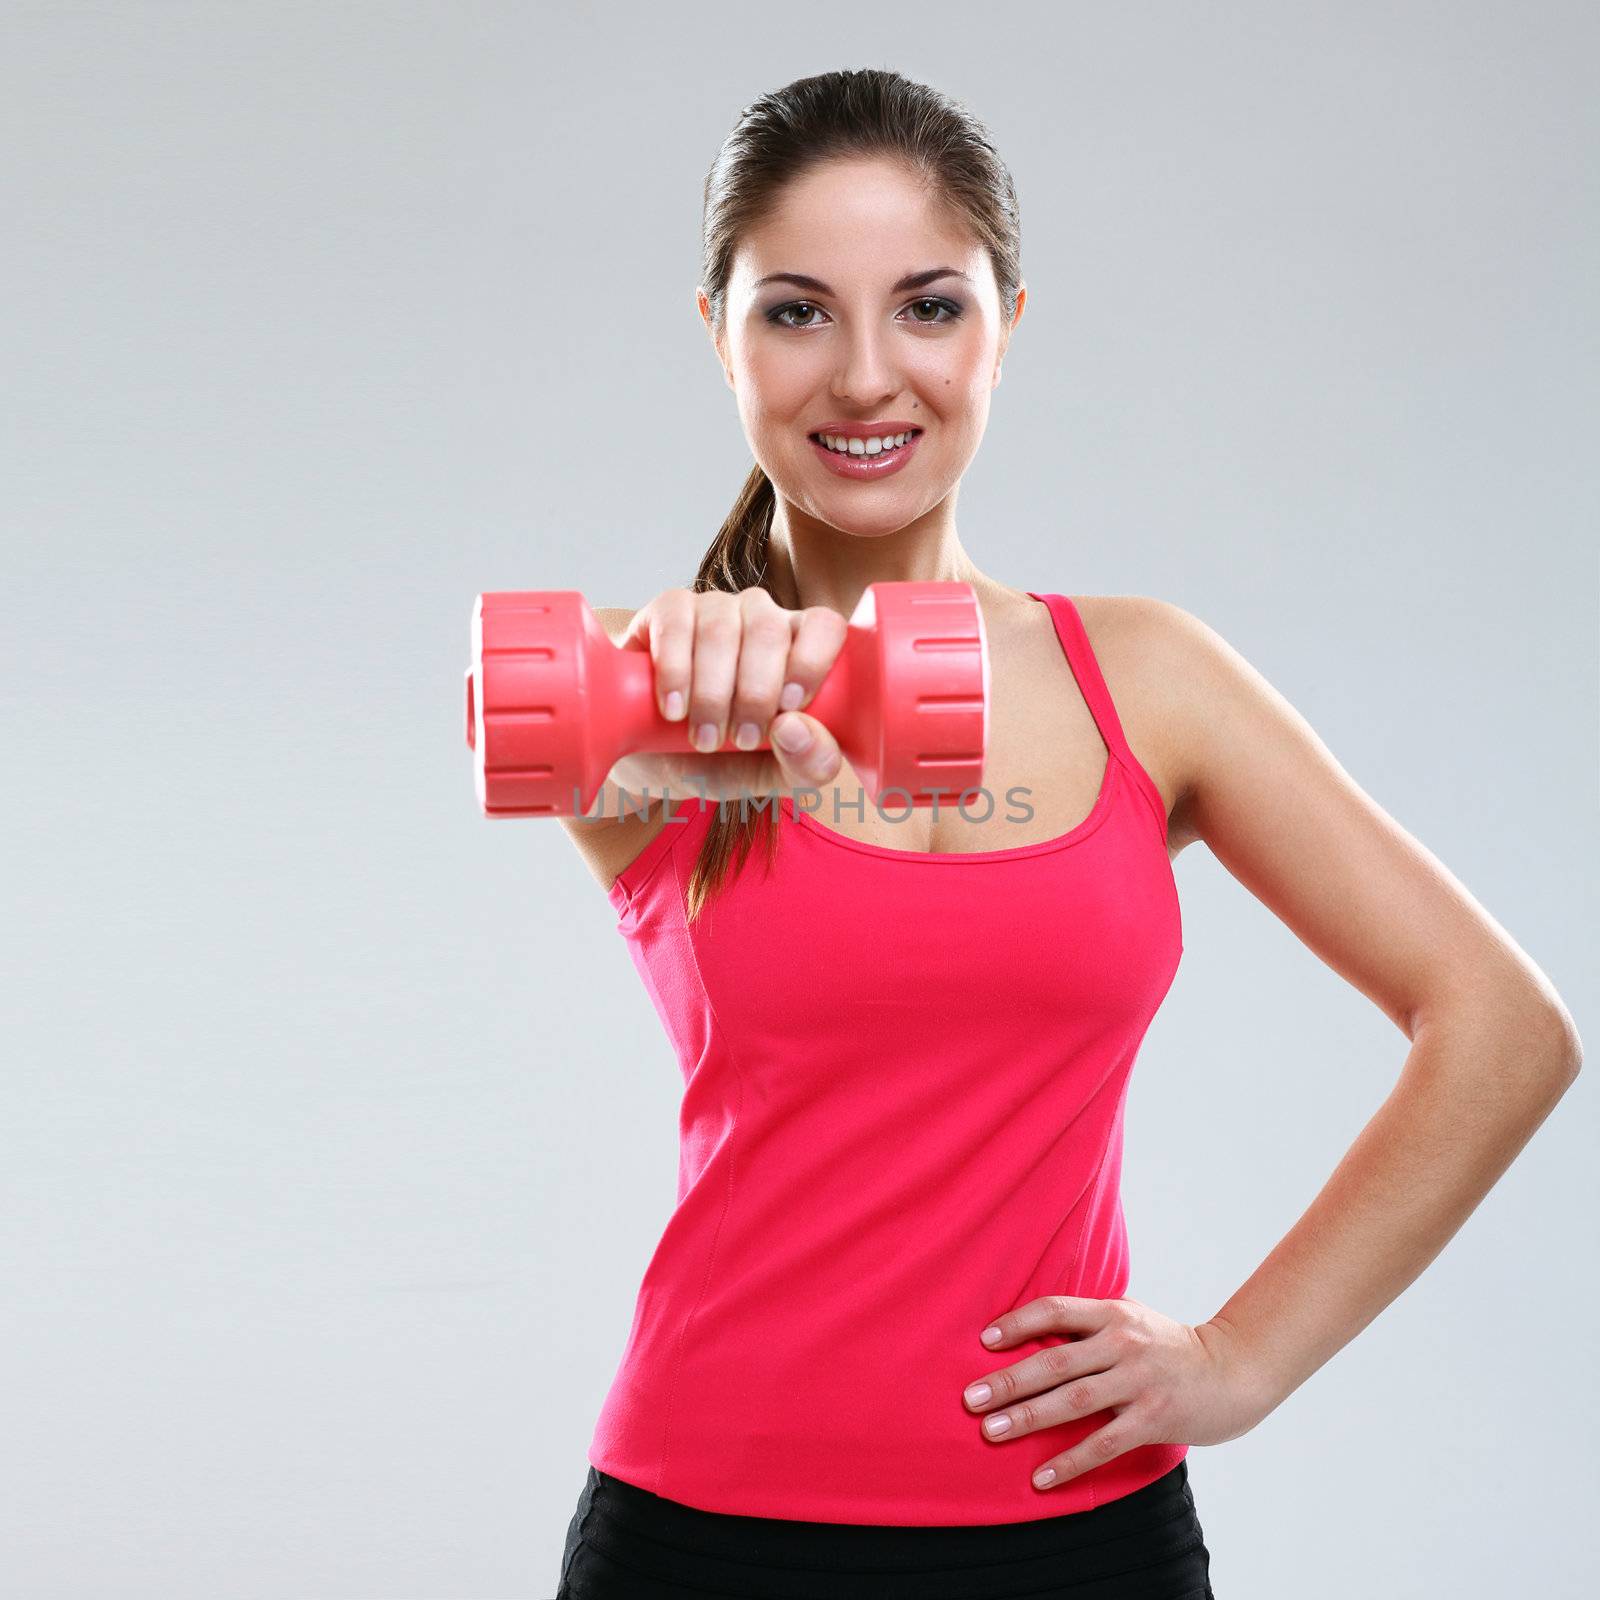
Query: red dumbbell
x,y
553,705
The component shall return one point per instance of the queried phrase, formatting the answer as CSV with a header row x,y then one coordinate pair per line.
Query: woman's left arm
x,y
1493,1048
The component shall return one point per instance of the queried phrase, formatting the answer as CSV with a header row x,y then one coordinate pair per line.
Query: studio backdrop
x,y
336,1127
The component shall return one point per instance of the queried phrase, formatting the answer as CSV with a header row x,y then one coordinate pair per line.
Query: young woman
x,y
907,1036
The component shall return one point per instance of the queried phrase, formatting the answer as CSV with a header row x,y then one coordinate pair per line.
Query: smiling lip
x,y
865,430
878,466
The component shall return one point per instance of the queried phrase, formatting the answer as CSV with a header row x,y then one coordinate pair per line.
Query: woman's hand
x,y
1168,1382
733,664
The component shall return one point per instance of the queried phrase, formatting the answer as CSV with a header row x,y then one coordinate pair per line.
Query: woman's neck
x,y
836,572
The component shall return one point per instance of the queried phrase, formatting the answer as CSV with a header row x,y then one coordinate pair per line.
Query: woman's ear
x,y
1016,317
1006,332
703,306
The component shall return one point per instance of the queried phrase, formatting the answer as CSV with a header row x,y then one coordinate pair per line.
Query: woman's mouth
x,y
865,458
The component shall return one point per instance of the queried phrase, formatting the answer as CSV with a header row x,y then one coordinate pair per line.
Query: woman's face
x,y
875,334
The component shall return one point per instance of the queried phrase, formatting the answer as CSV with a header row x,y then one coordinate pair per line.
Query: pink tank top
x,y
905,1076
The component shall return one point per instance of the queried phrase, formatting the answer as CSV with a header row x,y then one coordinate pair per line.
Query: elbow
x,y
1563,1043
1573,1047
1534,1031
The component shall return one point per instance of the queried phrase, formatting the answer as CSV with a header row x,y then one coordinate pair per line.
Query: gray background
x,y
336,1127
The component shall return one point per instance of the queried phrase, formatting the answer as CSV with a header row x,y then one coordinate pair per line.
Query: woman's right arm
x,y
730,655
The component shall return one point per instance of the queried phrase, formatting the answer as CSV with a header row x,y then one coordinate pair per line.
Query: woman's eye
x,y
938,304
783,311
781,314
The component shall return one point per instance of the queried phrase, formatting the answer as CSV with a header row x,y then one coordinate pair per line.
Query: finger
x,y
717,628
819,635
806,753
763,652
666,628
1050,1313
1068,1402
1093,1450
1046,1369
636,636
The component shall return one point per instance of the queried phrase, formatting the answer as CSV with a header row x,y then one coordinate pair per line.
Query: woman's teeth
x,y
863,447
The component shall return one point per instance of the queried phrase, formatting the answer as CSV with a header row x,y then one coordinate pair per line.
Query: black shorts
x,y
624,1541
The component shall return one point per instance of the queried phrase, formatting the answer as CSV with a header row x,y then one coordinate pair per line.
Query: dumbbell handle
x,y
639,726
906,698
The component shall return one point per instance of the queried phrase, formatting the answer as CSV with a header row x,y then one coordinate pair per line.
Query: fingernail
x,y
748,737
705,737
996,1425
990,1335
1044,1477
978,1393
675,705
792,695
791,733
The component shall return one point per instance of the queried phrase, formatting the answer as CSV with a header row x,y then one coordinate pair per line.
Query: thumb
x,y
806,752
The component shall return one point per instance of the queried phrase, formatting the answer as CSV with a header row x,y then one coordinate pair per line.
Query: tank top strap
x,y
1097,696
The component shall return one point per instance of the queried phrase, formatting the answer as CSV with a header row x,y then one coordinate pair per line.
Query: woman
x,y
907,1038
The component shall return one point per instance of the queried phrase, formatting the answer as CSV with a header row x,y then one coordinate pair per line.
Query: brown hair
x,y
869,112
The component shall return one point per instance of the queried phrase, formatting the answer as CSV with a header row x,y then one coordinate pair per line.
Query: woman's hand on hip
x,y
1167,1382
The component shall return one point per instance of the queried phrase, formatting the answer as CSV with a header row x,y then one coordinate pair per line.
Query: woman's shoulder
x,y
1147,650
1191,703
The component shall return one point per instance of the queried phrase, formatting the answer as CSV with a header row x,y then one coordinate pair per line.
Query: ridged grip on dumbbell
x,y
927,639
532,649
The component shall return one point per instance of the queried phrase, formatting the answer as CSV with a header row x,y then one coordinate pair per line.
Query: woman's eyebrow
x,y
915,280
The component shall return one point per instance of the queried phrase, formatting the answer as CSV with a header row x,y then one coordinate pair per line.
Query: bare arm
x,y
1493,1048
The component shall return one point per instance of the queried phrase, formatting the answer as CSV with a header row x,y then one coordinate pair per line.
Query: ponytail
x,y
736,560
